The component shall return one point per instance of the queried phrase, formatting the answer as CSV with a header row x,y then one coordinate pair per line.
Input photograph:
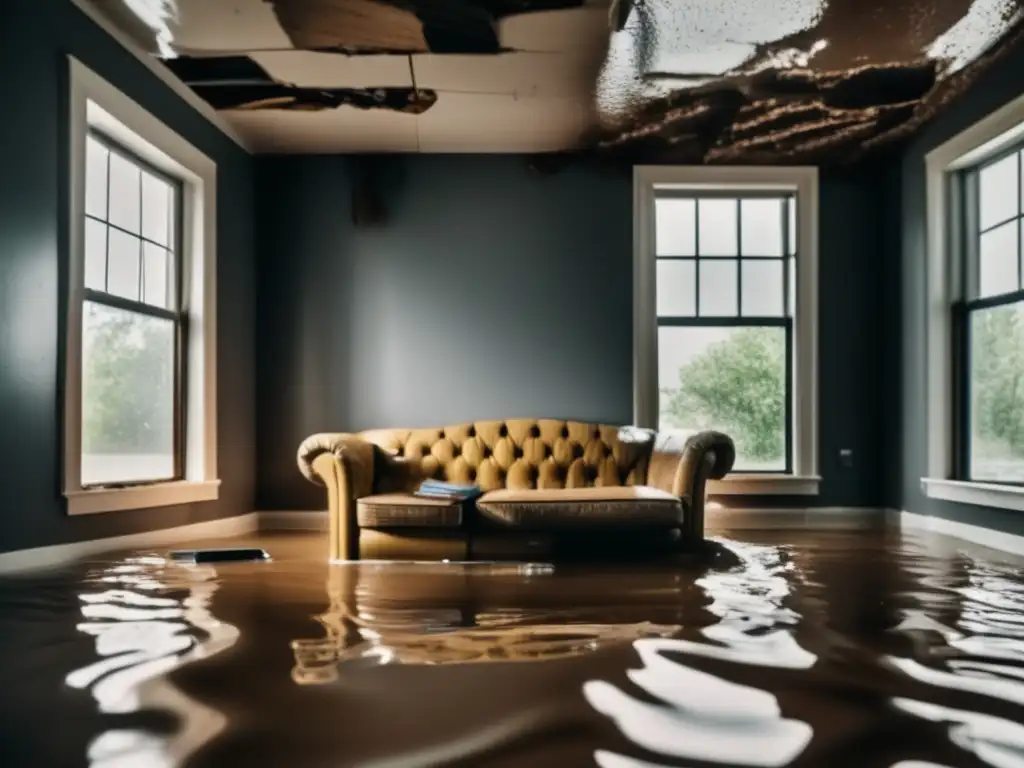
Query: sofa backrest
x,y
524,453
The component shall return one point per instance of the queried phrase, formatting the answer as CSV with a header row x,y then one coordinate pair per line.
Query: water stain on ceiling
x,y
806,80
654,80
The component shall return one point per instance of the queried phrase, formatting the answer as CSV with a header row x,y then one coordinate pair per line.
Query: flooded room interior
x,y
616,383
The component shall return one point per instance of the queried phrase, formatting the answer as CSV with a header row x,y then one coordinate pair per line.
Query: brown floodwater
x,y
870,648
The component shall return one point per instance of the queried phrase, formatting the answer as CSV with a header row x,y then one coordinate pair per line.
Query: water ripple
x,y
139,638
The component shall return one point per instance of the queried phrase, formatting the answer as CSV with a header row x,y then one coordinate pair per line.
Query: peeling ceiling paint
x,y
639,80
238,82
808,80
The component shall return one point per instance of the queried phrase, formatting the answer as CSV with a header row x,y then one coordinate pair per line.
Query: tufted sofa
x,y
550,487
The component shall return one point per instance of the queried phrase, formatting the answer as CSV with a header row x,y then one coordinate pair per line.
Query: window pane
x,y
155,263
762,288
127,396
998,191
791,286
95,178
717,227
997,398
731,379
123,265
791,204
95,255
156,209
761,227
675,227
124,193
677,288
997,268
718,288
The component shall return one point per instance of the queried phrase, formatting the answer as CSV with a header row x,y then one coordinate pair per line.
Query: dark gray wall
x,y
994,88
491,292
35,38
494,292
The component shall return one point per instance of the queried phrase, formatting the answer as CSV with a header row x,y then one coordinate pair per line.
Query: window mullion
x,y
1020,212
696,257
739,258
129,305
106,244
142,253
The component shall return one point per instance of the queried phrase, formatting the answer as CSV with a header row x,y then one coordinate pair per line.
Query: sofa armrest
x,y
684,467
344,465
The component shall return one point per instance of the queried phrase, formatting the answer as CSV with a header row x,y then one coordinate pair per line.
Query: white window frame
x,y
982,140
95,103
802,180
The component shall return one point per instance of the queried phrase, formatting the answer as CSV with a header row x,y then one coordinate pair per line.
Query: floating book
x,y
441,490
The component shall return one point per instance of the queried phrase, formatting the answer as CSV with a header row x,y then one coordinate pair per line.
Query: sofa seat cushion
x,y
404,510
636,506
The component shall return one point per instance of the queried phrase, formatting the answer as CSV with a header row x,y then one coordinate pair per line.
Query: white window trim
x,y
94,102
983,139
803,180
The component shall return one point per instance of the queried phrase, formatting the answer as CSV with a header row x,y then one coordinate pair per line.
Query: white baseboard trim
x,y
803,518
297,520
58,554
975,534
718,519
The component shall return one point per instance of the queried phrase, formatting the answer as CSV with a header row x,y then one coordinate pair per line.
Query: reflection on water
x,y
698,715
139,637
371,619
847,649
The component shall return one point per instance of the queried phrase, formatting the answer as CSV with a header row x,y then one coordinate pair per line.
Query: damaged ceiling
x,y
642,80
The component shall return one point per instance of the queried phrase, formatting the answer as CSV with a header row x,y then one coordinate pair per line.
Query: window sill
x,y
90,501
765,485
979,494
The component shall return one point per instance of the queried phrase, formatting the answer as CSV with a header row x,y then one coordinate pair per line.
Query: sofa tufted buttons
x,y
597,433
425,449
517,452
503,431
577,451
472,475
590,473
471,432
486,452
565,431
534,431
456,450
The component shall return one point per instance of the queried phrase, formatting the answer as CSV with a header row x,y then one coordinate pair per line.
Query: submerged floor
x,y
788,648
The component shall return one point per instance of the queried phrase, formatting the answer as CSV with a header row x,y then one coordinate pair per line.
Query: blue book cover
x,y
441,485
442,490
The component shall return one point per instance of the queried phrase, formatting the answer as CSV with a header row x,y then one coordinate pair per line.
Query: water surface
x,y
866,648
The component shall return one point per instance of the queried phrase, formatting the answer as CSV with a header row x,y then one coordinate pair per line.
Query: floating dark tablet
x,y
234,555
